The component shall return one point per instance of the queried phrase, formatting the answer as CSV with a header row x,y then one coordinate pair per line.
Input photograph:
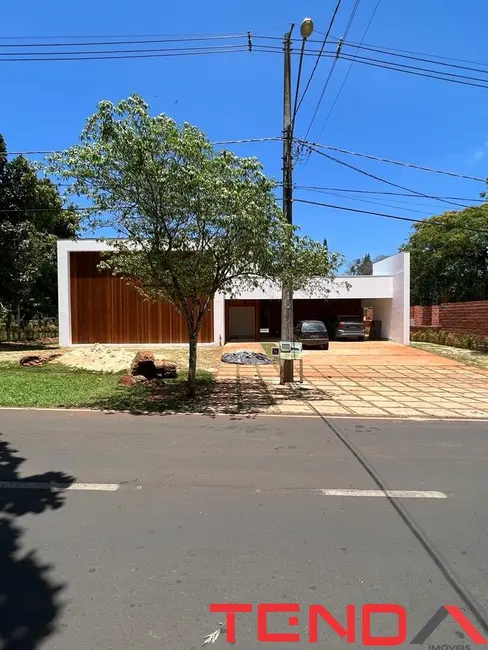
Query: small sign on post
x,y
290,350
275,354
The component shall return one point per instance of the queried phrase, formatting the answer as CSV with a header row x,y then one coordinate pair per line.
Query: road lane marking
x,y
25,485
403,494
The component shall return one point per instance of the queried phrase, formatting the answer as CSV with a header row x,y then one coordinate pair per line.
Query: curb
x,y
246,415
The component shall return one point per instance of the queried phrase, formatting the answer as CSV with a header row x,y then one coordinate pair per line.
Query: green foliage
x,y
452,339
31,218
362,266
194,221
449,257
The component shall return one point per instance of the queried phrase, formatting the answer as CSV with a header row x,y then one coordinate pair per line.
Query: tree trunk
x,y
192,367
8,324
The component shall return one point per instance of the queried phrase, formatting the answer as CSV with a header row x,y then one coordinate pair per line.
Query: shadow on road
x,y
420,535
29,598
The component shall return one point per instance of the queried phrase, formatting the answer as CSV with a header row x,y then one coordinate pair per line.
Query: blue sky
x,y
390,114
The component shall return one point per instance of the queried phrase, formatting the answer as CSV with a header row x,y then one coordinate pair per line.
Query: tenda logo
x,y
355,623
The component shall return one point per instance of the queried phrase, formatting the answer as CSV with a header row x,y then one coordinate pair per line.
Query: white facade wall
x,y
382,310
398,267
360,286
64,248
387,291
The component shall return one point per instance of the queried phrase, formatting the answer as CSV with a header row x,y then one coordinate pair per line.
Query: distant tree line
x,y
448,257
364,265
32,218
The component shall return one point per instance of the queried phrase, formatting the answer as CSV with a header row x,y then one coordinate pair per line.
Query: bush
x,y
443,337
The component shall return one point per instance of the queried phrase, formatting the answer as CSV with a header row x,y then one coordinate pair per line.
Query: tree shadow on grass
x,y
29,598
242,396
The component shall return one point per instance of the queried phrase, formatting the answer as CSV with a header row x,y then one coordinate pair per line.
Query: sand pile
x,y
102,358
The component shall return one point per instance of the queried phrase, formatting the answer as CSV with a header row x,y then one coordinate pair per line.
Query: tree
x,y
449,257
362,266
31,218
193,221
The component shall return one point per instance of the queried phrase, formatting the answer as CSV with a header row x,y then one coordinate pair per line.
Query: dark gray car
x,y
312,332
348,328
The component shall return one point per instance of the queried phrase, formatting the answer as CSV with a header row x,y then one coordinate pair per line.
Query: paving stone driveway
x,y
379,379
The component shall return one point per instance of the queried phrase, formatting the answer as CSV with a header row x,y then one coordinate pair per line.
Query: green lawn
x,y
58,386
267,348
471,357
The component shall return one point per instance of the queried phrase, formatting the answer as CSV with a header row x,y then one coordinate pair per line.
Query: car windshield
x,y
313,326
351,319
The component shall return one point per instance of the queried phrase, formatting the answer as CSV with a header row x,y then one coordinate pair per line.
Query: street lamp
x,y
306,29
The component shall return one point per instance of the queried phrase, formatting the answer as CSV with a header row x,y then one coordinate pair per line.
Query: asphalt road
x,y
231,510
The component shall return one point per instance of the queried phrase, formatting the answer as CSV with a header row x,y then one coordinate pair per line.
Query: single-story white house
x,y
96,307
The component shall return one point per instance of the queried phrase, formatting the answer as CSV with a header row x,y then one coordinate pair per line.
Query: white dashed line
x,y
401,494
25,485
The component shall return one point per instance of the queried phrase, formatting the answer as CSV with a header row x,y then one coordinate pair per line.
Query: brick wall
x,y
460,317
435,316
421,315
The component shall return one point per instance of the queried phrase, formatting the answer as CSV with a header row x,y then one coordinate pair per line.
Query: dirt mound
x,y
99,357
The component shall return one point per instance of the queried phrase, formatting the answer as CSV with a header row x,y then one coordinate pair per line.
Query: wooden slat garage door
x,y
104,309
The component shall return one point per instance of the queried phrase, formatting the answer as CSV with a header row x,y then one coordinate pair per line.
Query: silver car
x,y
349,328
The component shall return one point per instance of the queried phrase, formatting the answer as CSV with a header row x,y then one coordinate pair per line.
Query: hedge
x,y
443,337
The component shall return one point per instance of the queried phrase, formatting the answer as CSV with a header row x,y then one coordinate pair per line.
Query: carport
x,y
256,315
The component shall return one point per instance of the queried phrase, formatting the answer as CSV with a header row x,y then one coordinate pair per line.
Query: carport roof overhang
x,y
359,286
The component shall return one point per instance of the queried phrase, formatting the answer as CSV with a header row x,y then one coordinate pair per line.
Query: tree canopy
x,y
449,257
31,218
362,266
191,221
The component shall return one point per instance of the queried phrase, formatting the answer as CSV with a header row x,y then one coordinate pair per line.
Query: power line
x,y
177,39
392,216
382,180
172,36
172,50
320,54
217,142
452,77
77,208
329,76
216,50
419,72
396,162
373,202
351,18
432,56
349,69
334,63
389,52
318,188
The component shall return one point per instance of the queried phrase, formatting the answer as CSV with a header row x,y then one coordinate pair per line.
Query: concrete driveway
x,y
377,378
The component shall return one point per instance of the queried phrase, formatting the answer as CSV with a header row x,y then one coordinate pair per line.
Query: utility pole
x,y
287,332
286,365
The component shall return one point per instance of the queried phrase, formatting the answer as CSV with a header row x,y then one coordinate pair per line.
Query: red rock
x,y
143,364
38,359
127,380
165,369
139,379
